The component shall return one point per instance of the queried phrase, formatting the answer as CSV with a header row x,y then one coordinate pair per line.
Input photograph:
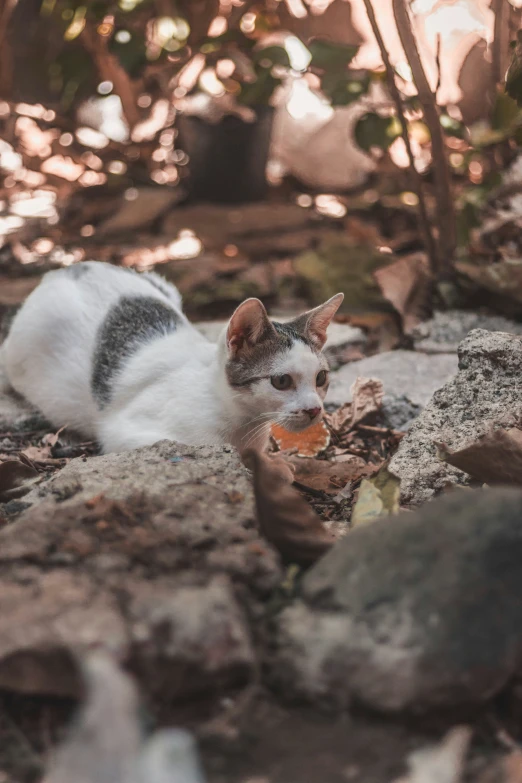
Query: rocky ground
x,y
159,590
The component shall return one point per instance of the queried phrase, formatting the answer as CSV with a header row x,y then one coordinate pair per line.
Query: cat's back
x,y
54,337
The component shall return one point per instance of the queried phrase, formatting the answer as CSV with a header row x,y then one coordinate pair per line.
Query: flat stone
x,y
444,332
484,393
413,612
409,374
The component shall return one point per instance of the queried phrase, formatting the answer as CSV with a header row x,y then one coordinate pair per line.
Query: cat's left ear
x,y
315,322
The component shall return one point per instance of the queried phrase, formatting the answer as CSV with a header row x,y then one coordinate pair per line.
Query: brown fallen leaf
x,y
309,442
16,479
495,458
407,284
37,453
284,517
367,395
337,420
329,475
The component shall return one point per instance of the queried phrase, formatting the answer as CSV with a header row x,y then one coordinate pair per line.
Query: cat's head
x,y
278,370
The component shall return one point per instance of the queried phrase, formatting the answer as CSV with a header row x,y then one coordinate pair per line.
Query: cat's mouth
x,y
299,423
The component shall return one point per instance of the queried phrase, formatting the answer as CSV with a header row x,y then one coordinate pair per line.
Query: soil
x,y
265,741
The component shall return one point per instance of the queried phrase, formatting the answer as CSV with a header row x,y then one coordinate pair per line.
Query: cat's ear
x,y
315,322
248,326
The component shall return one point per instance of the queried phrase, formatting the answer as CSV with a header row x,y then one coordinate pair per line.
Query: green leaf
x,y
452,127
272,55
514,73
506,112
342,89
328,56
258,93
372,130
378,497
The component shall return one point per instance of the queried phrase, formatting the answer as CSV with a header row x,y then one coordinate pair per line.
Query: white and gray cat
x,y
110,354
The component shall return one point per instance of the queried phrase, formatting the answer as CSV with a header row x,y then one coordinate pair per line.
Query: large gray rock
x,y
151,556
445,331
418,611
410,378
484,393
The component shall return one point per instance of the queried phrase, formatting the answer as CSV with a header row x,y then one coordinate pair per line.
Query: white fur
x,y
173,387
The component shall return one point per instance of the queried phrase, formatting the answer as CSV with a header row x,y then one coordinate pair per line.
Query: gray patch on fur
x,y
132,323
291,331
76,271
255,365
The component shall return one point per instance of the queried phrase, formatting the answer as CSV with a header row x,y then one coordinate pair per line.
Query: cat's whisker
x,y
257,433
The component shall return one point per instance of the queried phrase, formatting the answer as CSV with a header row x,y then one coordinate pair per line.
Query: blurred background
x,y
263,149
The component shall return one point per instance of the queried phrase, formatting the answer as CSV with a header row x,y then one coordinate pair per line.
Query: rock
x,y
413,612
165,470
159,580
444,332
410,378
484,393
112,709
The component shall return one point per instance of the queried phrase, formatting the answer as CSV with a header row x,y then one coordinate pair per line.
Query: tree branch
x,y
6,54
417,186
496,54
110,69
446,225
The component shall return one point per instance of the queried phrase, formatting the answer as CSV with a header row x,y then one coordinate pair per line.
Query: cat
x,y
109,353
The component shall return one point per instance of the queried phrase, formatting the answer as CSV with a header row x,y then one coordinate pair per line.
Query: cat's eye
x,y
281,382
322,375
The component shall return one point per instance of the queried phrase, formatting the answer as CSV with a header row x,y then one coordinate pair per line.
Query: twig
x,y
446,224
415,176
316,493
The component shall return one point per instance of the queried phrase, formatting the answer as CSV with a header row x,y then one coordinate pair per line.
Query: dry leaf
x,y
309,442
284,517
329,476
16,479
378,497
407,285
443,763
367,395
495,458
338,418
37,453
51,439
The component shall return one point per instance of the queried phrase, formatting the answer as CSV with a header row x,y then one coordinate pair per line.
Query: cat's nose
x,y
312,412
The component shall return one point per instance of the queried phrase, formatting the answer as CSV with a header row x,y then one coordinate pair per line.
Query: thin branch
x,y
417,186
446,224
496,53
6,52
